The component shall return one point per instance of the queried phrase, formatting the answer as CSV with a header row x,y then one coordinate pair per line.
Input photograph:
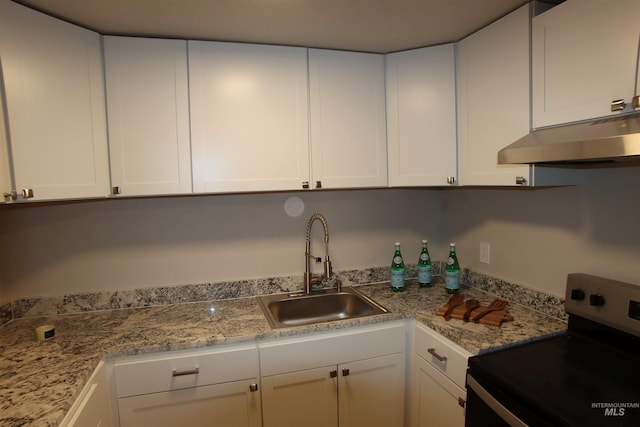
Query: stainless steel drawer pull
x,y
195,371
432,351
253,387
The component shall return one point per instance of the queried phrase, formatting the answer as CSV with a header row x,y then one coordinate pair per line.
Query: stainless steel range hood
x,y
613,141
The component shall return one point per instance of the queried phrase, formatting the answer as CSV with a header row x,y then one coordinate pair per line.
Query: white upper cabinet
x,y
421,117
5,175
148,115
585,55
249,117
494,105
493,98
54,89
348,123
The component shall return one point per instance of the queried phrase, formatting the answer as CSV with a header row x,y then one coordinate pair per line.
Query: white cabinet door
x,y
371,392
494,105
249,117
93,406
303,398
436,400
493,98
5,164
148,115
230,404
348,123
421,117
585,55
54,89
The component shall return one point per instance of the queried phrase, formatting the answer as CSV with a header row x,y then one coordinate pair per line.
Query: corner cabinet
x,y
438,395
55,104
585,55
249,117
92,407
193,388
148,115
494,105
421,117
347,119
352,378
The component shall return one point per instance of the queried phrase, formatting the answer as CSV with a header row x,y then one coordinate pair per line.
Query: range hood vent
x,y
614,141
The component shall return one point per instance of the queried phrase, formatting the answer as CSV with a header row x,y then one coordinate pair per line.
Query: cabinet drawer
x,y
442,354
173,371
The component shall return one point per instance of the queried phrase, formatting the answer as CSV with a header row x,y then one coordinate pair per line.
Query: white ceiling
x,y
362,25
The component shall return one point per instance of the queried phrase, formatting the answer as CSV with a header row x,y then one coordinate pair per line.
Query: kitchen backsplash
x,y
93,301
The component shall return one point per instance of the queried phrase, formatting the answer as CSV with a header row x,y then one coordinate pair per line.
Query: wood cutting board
x,y
495,318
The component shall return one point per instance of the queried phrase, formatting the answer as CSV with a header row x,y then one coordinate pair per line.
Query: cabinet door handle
x,y
253,387
451,180
521,180
305,184
116,190
27,193
635,102
318,184
345,372
461,402
194,371
618,105
333,374
11,195
432,351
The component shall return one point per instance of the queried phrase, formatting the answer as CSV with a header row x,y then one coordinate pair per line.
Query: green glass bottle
x,y
397,270
424,267
452,271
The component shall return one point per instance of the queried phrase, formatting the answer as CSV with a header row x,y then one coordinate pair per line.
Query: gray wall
x,y
536,236
125,244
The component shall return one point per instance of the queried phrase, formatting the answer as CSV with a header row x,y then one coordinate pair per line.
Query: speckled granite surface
x,y
155,296
40,381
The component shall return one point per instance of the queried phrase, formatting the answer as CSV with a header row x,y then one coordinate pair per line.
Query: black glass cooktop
x,y
565,380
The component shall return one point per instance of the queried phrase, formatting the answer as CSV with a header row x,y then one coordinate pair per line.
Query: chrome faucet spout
x,y
308,276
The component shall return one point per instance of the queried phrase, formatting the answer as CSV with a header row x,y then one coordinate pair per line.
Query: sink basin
x,y
289,310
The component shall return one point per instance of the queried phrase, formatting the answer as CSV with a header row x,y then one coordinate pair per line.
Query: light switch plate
x,y
485,252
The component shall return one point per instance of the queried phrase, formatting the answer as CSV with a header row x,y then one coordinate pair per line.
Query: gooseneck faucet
x,y
308,276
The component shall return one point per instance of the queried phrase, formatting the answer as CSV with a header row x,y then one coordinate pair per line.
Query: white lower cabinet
x,y
92,408
228,404
201,388
353,378
438,394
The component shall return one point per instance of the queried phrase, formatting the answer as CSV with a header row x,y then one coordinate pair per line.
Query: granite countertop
x,y
40,381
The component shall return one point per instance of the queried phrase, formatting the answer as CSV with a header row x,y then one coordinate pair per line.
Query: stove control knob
x,y
577,294
596,300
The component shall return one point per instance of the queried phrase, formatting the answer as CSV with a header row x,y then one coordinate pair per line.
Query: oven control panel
x,y
613,303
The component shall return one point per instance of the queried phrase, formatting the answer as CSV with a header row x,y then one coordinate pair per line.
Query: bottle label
x,y
424,274
397,279
452,279
450,261
424,257
397,259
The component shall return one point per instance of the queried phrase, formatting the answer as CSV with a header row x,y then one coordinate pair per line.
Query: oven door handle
x,y
493,403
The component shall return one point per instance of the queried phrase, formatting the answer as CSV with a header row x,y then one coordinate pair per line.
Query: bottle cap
x,y
397,243
452,244
424,241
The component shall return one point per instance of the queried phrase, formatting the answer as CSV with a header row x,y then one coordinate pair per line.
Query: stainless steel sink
x,y
289,310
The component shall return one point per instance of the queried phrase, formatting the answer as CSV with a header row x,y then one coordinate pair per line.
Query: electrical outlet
x,y
485,252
